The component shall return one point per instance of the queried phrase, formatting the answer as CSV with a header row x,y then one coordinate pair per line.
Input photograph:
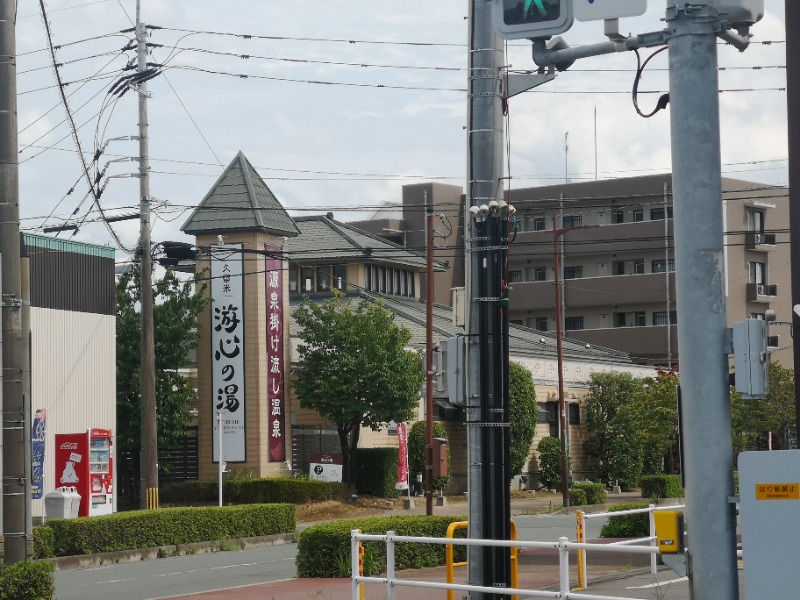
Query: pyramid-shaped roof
x,y
240,201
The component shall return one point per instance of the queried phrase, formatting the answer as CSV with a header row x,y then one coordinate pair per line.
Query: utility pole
x,y
562,407
148,461
703,342
792,22
16,479
487,317
429,358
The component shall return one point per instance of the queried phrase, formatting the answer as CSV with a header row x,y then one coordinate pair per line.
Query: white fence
x,y
562,546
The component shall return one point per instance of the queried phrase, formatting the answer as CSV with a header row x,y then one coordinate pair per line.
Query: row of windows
x,y
386,280
321,278
619,267
621,319
540,223
548,413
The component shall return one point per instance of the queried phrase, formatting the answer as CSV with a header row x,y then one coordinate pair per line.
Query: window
x,y
619,267
619,319
574,413
572,221
660,317
516,322
657,214
323,279
539,224
548,414
638,266
618,216
573,323
340,277
659,266
540,273
755,221
638,215
758,272
293,275
541,323
573,272
514,276
307,279
640,319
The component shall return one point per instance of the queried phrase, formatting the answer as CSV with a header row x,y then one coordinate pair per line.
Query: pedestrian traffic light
x,y
515,19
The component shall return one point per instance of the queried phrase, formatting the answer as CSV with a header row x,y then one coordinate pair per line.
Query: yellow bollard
x,y
580,536
360,568
152,498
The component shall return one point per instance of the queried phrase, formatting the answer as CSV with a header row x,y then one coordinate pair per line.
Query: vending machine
x,y
85,461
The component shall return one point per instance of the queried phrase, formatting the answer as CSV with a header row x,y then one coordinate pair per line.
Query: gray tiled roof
x,y
523,342
324,239
240,201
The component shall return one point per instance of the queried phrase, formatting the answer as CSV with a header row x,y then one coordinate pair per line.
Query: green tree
x,y
613,442
177,304
753,420
652,414
524,415
417,454
549,449
354,369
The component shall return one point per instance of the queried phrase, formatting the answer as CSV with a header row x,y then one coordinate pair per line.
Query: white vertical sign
x,y
227,351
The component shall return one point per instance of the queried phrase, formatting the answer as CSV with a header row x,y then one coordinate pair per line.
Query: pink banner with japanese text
x,y
275,355
402,457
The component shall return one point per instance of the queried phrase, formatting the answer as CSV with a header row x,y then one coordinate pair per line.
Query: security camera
x,y
474,210
483,210
493,206
769,315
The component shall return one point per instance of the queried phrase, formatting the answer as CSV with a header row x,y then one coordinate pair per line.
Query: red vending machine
x,y
84,460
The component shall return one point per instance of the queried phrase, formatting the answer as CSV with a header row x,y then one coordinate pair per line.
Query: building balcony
x,y
644,344
761,292
759,241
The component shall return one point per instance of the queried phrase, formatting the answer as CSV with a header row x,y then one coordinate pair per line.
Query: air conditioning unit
x,y
761,289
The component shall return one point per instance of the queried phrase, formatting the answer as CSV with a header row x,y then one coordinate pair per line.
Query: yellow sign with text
x,y
778,491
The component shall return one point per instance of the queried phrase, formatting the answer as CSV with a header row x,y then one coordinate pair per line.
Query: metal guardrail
x,y
562,546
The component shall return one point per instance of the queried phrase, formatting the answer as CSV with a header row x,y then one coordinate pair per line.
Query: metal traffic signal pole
x,y
15,471
700,287
487,319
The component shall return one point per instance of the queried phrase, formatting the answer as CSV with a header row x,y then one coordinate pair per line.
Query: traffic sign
x,y
599,10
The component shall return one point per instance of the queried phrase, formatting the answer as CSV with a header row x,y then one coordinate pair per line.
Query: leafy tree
x,y
652,413
354,369
549,449
417,452
524,415
753,420
177,304
613,441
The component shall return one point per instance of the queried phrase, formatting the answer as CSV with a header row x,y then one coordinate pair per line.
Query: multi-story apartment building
x,y
614,242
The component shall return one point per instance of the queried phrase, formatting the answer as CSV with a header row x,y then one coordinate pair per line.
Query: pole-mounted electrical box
x,y
453,374
739,12
750,358
669,531
440,465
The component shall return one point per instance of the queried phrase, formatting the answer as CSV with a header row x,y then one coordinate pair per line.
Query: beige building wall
x,y
73,377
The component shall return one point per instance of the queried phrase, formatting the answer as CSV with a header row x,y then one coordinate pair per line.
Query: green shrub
x,y
549,449
27,581
577,497
377,472
417,451
324,550
168,526
237,490
633,526
595,492
43,542
661,486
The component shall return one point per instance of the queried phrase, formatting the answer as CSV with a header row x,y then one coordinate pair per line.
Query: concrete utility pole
x,y
15,473
700,285
148,461
429,357
792,22
487,318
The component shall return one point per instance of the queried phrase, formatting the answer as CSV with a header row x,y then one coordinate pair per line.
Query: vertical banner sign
x,y
275,367
227,351
38,429
402,457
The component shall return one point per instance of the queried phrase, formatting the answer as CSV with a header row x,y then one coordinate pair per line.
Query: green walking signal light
x,y
515,19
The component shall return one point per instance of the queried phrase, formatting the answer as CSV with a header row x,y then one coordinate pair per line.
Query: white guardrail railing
x,y
562,546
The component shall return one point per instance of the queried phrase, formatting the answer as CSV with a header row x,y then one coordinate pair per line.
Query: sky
x,y
344,102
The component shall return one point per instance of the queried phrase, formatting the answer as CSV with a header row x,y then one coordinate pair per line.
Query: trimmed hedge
x,y
595,492
377,472
324,550
577,497
27,581
661,486
275,490
163,527
633,526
